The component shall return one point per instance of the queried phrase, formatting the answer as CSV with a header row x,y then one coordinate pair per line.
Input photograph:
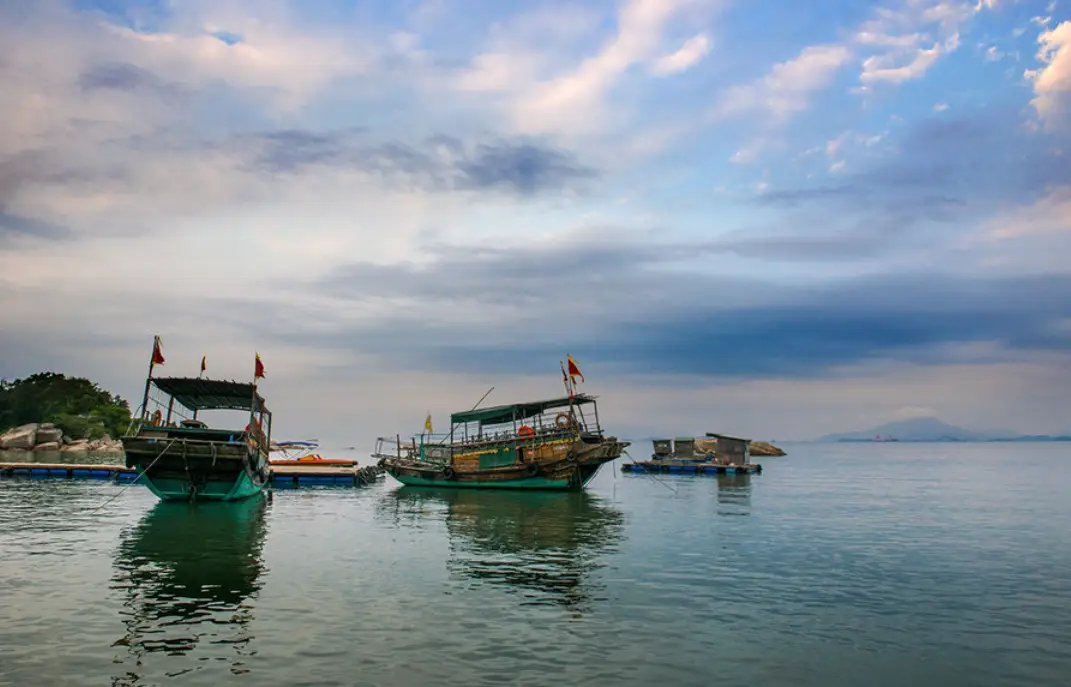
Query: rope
x,y
128,484
647,474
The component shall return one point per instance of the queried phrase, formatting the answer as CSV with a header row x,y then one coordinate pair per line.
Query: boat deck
x,y
691,467
283,476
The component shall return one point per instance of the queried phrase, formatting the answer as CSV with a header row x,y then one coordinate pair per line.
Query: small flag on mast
x,y
203,357
574,369
157,352
258,371
427,424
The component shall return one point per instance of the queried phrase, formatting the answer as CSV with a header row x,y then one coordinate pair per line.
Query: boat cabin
x,y
173,411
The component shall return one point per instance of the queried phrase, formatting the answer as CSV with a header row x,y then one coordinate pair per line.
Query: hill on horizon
x,y
921,429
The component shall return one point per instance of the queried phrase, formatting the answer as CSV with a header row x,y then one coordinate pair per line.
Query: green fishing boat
x,y
550,444
180,458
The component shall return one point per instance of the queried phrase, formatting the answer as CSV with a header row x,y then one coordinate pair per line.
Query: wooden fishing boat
x,y
550,444
179,457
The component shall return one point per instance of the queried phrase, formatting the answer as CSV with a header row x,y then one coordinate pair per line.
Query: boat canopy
x,y
517,411
210,394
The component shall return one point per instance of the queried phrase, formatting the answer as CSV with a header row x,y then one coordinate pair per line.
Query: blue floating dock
x,y
692,469
283,476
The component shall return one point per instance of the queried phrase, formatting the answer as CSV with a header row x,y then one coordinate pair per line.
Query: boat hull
x,y
197,471
571,473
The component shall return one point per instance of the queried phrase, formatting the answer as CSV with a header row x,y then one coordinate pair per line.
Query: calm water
x,y
840,565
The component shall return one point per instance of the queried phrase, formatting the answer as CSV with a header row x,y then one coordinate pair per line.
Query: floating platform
x,y
282,475
691,468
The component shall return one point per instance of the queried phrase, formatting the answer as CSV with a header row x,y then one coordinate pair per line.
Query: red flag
x,y
574,369
258,372
157,353
203,362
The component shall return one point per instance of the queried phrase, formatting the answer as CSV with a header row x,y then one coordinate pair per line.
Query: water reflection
x,y
188,572
542,545
734,494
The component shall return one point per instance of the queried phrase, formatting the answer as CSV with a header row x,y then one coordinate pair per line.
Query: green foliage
x,y
78,406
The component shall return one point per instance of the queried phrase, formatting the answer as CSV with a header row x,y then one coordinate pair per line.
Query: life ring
x,y
526,431
563,421
532,469
157,418
448,472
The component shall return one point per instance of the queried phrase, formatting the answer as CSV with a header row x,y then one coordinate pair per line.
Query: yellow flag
x,y
427,424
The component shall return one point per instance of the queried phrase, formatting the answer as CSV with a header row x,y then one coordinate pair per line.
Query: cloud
x,y
907,41
1049,214
16,225
689,54
548,95
1052,83
524,168
787,87
119,76
645,323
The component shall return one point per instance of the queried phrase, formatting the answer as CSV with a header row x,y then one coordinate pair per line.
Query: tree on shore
x,y
77,406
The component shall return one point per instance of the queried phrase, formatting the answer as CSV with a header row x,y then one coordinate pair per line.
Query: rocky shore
x,y
761,448
47,437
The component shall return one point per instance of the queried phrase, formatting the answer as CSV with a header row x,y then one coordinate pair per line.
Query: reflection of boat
x,y
544,545
187,572
180,458
300,453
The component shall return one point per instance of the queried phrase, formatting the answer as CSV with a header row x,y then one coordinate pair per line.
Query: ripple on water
x,y
877,565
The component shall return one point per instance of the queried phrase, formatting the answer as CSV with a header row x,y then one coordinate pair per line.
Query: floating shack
x,y
710,454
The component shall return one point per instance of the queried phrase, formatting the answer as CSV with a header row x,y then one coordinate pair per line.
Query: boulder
x,y
23,437
104,445
761,448
49,435
47,446
80,446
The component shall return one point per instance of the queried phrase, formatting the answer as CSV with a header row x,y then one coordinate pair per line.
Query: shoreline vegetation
x,y
48,411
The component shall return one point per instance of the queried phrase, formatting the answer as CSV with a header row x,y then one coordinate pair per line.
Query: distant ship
x,y
888,437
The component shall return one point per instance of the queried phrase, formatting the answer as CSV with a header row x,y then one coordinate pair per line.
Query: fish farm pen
x,y
692,468
283,476
714,454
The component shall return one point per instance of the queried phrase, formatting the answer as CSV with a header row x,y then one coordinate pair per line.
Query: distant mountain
x,y
926,429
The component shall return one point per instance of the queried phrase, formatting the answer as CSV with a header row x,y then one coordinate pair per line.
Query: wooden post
x,y
170,406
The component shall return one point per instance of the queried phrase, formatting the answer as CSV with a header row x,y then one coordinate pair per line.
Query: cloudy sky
x,y
770,218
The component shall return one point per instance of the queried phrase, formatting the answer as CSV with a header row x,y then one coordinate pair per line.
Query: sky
x,y
762,218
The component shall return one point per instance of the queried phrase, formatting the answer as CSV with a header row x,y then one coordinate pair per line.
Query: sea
x,y
841,564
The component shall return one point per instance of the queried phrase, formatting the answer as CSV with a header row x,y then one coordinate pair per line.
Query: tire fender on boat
x,y
532,469
448,472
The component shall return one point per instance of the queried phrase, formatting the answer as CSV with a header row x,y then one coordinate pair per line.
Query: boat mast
x,y
148,380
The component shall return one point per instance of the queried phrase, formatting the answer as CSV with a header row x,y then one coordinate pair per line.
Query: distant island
x,y
930,429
